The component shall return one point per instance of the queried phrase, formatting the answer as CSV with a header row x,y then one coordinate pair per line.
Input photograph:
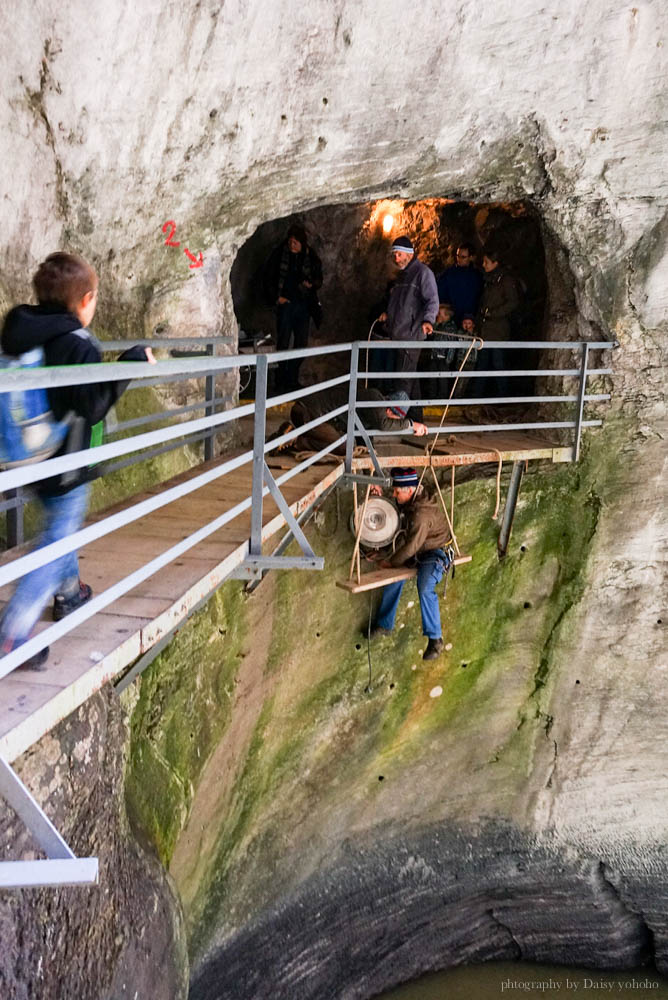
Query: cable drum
x,y
380,524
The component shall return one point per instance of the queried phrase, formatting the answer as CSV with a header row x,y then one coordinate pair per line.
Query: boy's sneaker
x,y
36,662
63,606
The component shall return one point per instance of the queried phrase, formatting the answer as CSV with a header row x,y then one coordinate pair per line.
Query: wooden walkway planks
x,y
32,703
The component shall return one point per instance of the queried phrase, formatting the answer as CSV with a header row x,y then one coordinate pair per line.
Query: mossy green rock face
x,y
331,740
332,755
182,711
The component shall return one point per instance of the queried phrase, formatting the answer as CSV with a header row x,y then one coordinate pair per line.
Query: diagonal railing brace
x,y
62,866
309,560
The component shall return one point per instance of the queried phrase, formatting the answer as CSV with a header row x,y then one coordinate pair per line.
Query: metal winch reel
x,y
380,524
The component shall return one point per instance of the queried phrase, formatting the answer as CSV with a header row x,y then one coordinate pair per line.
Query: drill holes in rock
x,y
391,687
358,645
436,692
523,548
527,604
577,682
464,666
381,777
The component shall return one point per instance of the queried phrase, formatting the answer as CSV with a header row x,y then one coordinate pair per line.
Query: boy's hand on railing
x,y
419,429
150,357
427,329
375,490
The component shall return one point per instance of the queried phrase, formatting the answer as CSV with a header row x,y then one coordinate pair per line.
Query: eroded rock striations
x,y
527,815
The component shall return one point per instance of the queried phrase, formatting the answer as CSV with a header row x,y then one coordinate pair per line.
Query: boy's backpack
x,y
29,432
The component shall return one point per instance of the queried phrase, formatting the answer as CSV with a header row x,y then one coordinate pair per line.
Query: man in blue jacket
x,y
411,311
461,285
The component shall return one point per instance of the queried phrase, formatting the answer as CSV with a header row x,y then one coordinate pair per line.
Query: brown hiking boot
x,y
433,650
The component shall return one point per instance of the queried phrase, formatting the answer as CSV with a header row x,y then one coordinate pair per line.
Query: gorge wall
x,y
524,812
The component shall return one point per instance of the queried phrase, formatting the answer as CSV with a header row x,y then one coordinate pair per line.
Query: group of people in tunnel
x,y
460,302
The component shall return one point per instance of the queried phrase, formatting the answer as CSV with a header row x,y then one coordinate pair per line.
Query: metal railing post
x,y
511,504
581,400
210,409
15,519
258,453
352,399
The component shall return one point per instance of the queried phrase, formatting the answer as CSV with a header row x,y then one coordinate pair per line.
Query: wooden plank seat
x,y
381,577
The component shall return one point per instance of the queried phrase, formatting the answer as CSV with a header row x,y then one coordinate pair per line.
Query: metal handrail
x,y
208,367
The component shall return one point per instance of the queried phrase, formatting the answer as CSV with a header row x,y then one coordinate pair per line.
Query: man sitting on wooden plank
x,y
428,541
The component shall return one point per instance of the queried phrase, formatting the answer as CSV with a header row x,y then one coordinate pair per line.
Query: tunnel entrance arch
x,y
353,241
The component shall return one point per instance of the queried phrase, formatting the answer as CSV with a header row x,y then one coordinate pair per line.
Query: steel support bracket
x,y
62,867
509,509
356,477
361,429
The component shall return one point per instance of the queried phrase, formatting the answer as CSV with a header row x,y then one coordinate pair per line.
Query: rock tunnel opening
x,y
353,243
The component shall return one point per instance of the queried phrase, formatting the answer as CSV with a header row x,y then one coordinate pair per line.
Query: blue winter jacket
x,y
413,301
462,288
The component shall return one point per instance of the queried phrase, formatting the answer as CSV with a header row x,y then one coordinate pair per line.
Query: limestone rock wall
x,y
123,937
118,117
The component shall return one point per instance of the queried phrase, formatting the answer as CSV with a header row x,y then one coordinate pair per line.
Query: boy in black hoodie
x,y
66,289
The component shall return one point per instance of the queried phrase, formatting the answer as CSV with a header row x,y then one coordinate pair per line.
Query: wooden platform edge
x,y
381,577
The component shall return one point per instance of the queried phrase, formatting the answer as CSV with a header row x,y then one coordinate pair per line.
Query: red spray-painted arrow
x,y
195,261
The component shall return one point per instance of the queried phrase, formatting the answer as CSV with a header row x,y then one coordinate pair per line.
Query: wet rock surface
x,y
387,910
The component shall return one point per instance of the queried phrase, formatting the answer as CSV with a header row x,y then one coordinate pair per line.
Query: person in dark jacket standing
x,y
66,289
292,277
500,299
411,311
461,285
427,542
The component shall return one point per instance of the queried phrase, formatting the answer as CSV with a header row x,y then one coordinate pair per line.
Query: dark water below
x,y
514,980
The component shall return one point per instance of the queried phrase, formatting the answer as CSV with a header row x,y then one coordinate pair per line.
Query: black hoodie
x,y
65,342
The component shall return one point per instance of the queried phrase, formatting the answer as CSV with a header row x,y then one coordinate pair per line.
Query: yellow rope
x,y
476,342
445,511
359,524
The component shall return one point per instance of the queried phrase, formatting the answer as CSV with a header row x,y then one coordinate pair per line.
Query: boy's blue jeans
x,y
63,515
429,574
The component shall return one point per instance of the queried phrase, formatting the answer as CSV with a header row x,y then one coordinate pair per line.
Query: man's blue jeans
x,y
63,515
429,574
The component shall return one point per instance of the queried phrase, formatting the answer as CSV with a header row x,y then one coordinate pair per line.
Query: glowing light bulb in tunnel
x,y
388,222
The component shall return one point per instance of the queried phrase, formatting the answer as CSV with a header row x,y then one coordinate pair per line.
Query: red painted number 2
x,y
172,227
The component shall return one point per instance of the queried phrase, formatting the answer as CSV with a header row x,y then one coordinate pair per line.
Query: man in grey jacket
x,y
411,310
